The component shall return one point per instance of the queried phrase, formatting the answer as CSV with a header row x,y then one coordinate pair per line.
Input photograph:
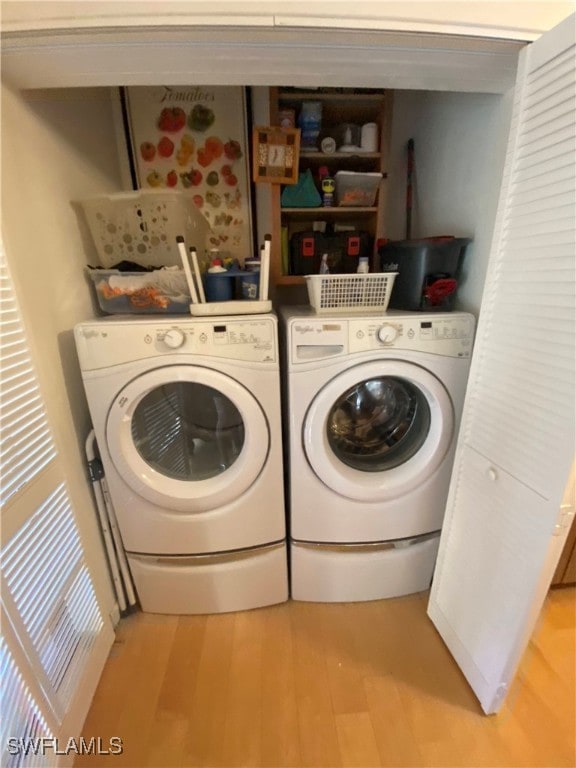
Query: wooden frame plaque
x,y
276,153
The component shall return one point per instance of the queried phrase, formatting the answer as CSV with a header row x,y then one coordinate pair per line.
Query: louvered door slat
x,y
549,160
548,184
545,140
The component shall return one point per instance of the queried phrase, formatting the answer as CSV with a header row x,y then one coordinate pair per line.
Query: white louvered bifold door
x,y
502,533
55,637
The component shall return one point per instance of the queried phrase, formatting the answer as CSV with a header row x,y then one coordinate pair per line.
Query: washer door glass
x,y
378,430
378,424
187,438
187,430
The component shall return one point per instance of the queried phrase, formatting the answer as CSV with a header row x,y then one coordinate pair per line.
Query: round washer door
x,y
378,430
187,438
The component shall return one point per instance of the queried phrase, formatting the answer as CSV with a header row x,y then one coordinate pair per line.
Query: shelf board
x,y
290,280
328,211
310,95
339,156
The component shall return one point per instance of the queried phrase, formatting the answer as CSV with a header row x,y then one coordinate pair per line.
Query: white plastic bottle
x,y
324,268
363,266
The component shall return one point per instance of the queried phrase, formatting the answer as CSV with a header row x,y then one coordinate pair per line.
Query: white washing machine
x,y
373,405
188,422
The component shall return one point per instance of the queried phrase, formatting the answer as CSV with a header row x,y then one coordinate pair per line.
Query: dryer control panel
x,y
105,343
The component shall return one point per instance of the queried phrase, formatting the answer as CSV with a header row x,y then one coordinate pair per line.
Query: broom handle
x,y
409,174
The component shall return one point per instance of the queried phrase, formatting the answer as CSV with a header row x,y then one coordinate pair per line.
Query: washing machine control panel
x,y
446,335
112,342
314,339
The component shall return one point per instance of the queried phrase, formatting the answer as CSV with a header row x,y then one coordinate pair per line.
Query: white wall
x,y
57,147
460,144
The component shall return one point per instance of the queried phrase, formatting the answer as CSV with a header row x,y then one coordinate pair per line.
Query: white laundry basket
x,y
143,226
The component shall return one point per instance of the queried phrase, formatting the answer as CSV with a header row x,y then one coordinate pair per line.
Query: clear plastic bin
x,y
162,291
356,189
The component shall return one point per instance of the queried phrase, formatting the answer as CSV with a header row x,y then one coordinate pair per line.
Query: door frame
x,y
258,55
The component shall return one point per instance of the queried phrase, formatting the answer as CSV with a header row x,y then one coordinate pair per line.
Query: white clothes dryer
x,y
373,405
187,416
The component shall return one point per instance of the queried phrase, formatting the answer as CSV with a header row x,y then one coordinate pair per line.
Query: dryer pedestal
x,y
345,573
234,581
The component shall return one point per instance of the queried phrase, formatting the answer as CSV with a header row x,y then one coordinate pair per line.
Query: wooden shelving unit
x,y
338,107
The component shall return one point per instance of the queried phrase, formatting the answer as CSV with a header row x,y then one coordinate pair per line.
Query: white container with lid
x,y
356,189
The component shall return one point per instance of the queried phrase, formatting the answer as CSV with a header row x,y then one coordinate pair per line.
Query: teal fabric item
x,y
303,194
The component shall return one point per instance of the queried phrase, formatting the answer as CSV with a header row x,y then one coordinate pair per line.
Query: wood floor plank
x,y
393,734
357,742
150,651
183,665
113,693
316,726
165,741
169,727
280,736
136,721
243,705
343,663
207,714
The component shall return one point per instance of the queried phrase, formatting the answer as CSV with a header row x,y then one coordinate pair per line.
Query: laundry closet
x,y
63,140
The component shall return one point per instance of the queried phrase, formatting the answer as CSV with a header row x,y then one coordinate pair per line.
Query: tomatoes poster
x,y
194,138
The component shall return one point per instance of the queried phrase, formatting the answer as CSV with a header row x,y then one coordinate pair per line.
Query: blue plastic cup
x,y
249,284
218,286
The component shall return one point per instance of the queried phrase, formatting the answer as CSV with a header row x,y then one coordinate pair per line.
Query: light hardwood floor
x,y
364,684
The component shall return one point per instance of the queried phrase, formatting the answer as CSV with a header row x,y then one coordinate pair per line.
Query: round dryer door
x,y
378,430
187,438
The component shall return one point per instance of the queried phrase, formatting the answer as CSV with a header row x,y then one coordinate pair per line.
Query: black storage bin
x,y
428,272
344,250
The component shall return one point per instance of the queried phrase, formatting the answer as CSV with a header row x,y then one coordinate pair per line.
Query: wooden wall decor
x,y
276,152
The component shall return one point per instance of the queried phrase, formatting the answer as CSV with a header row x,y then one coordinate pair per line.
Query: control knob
x,y
174,338
387,333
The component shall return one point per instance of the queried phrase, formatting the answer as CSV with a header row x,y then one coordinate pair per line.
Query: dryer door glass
x,y
187,438
378,424
187,430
